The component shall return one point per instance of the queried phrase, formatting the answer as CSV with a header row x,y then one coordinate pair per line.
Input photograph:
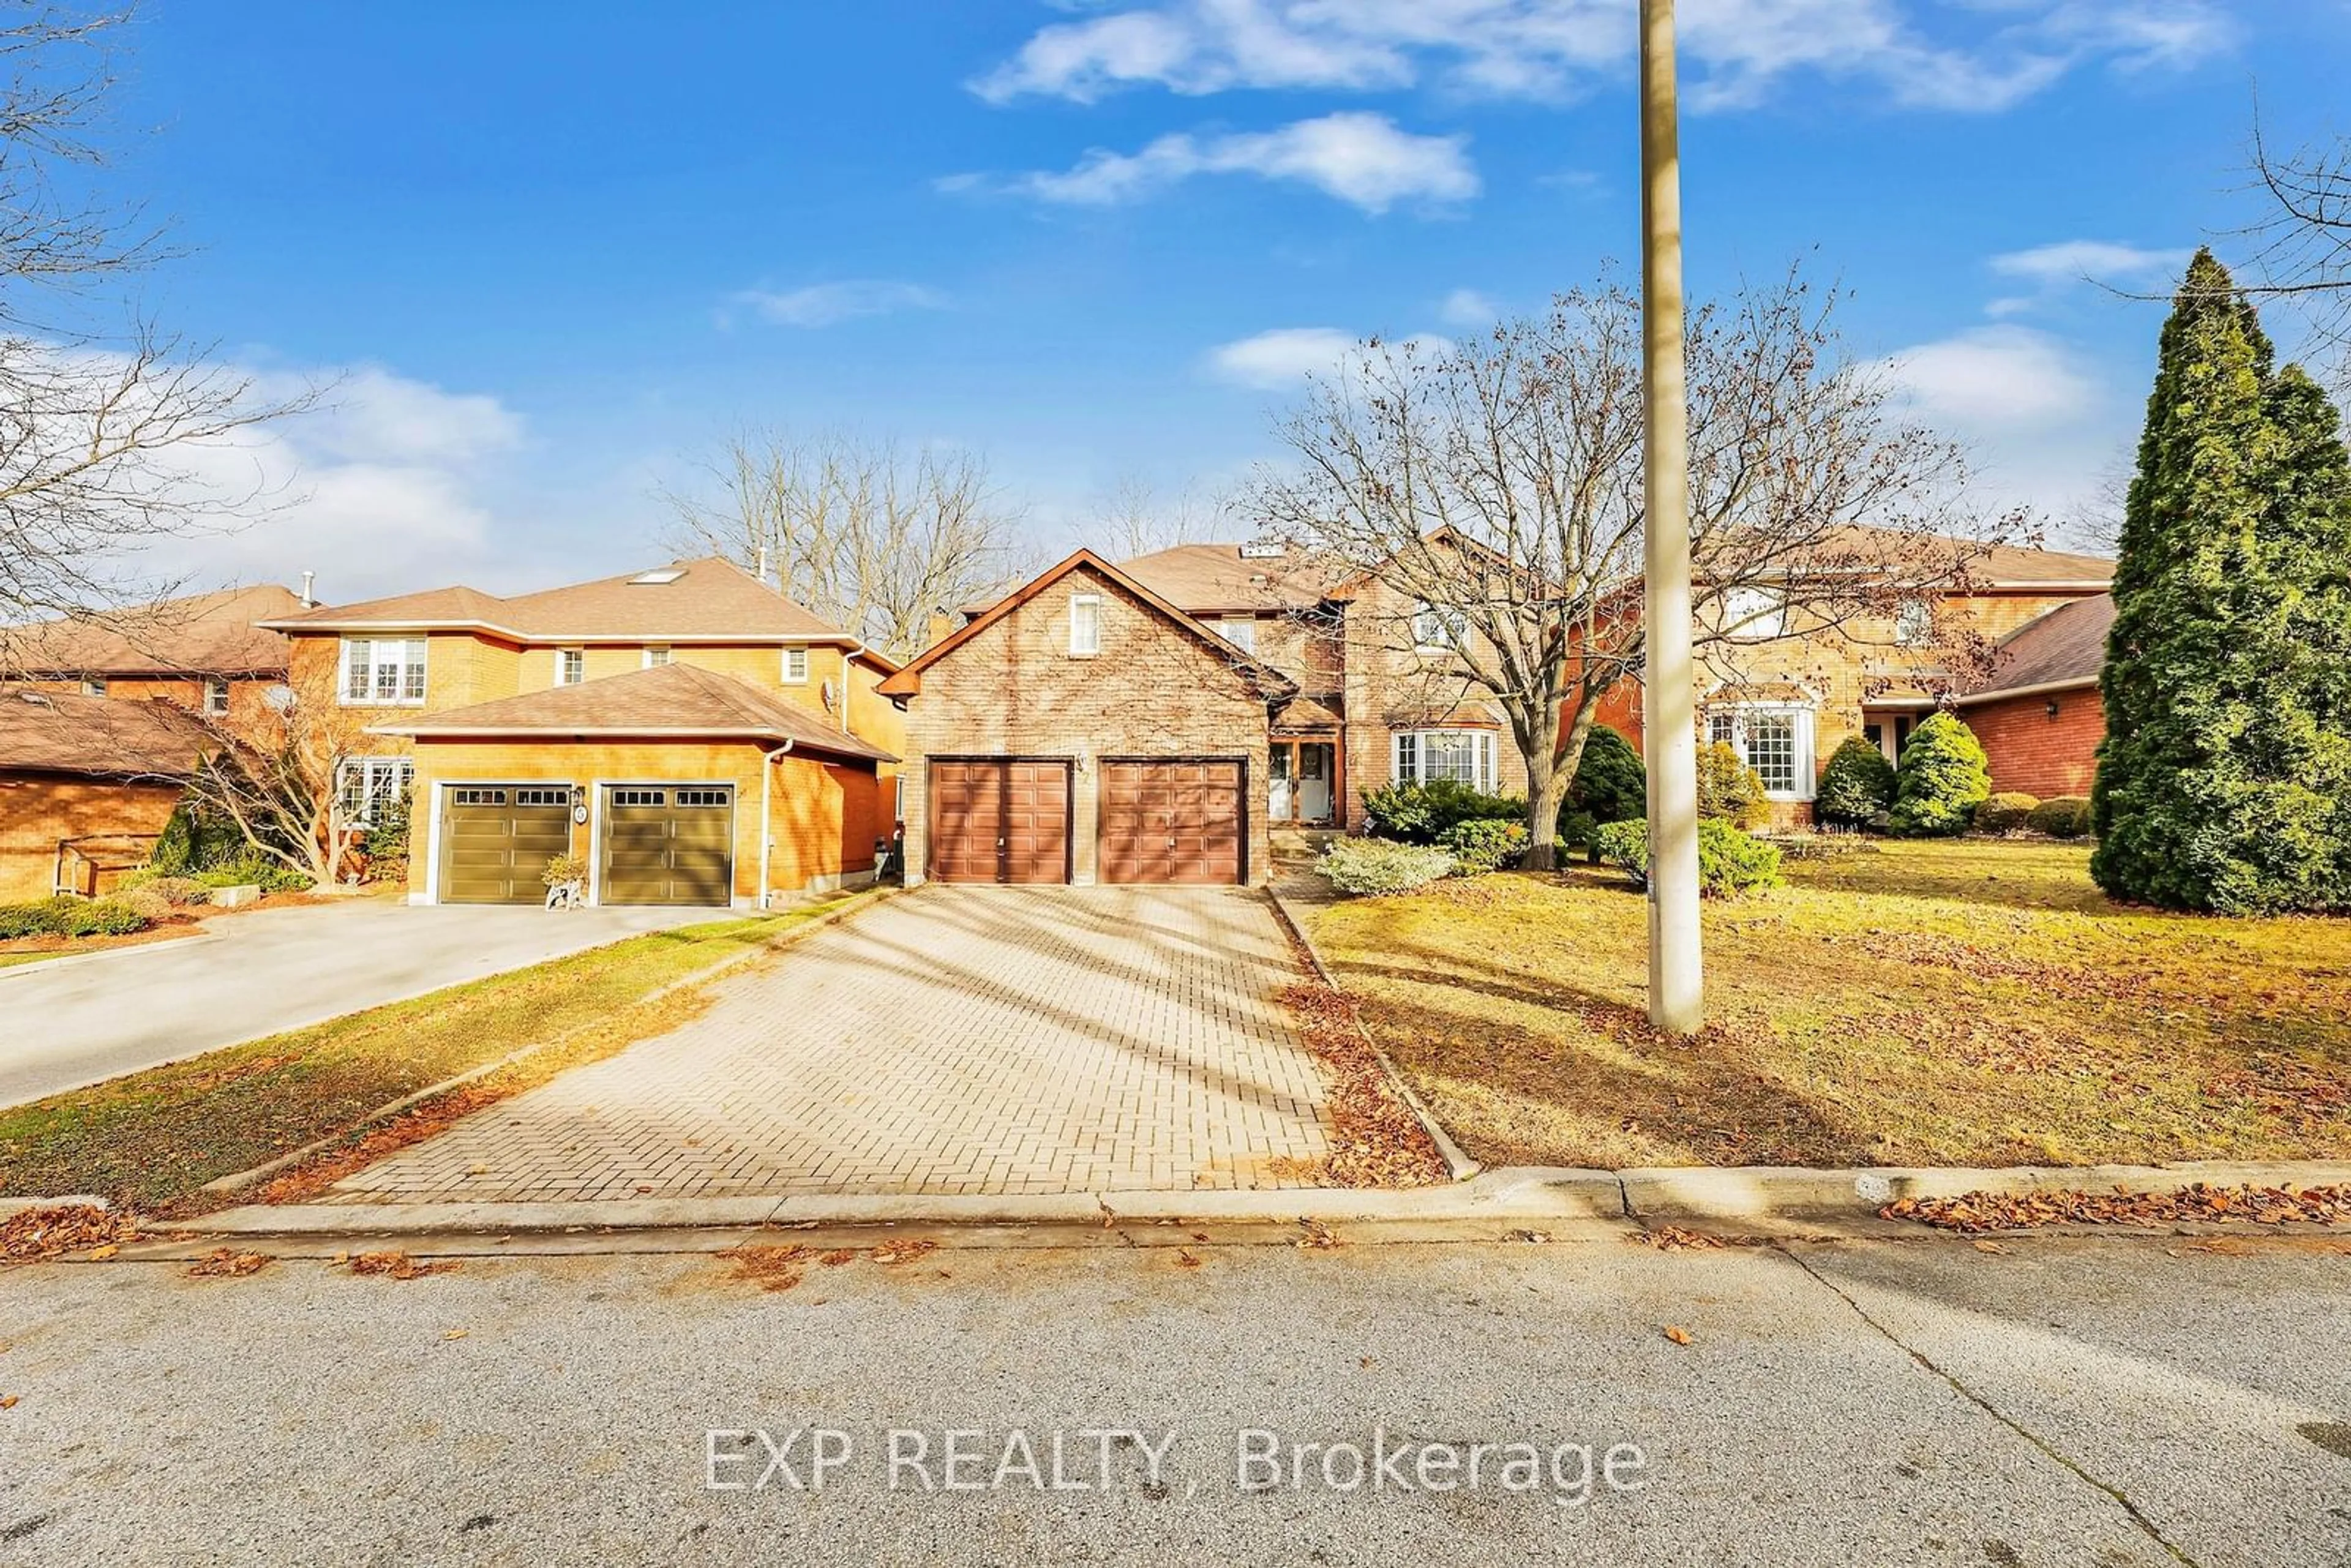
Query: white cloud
x,y
1989,378
2073,260
823,304
1980,56
1357,157
377,488
1469,308
1278,360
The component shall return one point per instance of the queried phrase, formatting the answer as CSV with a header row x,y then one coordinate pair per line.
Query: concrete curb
x,y
240,1181
67,960
1457,1159
1749,1200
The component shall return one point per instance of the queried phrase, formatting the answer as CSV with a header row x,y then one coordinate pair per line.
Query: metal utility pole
x,y
1669,727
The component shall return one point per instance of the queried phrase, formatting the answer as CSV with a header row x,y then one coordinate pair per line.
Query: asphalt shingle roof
x,y
206,634
708,598
65,732
2067,645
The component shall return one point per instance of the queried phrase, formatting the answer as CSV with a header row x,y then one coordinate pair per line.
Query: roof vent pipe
x,y
309,600
763,563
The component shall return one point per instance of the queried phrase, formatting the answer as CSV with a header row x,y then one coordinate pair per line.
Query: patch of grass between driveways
x,y
151,1140
1974,1002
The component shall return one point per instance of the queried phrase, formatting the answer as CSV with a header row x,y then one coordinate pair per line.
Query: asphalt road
x,y
83,1020
2064,1401
1922,1402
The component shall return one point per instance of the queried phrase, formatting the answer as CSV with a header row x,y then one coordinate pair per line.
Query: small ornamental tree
x,y
1857,786
1728,789
1610,785
2224,780
1944,777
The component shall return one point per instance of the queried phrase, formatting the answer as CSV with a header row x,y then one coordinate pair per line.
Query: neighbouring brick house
x,y
86,784
1786,701
102,717
691,735
2038,713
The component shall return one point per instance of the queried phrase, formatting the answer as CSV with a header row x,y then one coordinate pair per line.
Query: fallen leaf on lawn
x,y
399,1266
227,1262
1187,1258
1677,1333
905,1251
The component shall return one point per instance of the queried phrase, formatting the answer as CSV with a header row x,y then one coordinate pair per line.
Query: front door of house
x,y
1299,789
1281,789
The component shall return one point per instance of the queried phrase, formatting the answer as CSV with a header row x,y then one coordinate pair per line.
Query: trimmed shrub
x,y
1729,789
1728,860
1479,847
1372,867
1611,784
111,918
384,843
1856,788
64,917
2061,817
150,905
24,920
1423,813
2006,812
1944,777
269,875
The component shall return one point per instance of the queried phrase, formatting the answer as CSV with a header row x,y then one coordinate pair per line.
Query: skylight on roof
x,y
654,579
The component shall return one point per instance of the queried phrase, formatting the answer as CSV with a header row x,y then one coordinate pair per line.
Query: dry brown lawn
x,y
1975,1002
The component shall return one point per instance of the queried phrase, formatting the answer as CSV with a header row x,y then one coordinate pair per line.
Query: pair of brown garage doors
x,y
1159,820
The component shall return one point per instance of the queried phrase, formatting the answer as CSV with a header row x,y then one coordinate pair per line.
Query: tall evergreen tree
x,y
2224,781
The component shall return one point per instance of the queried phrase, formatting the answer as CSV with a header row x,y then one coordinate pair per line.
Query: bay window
x,y
1463,755
383,671
1775,741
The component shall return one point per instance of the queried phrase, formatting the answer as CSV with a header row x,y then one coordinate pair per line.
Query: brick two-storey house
x,y
691,735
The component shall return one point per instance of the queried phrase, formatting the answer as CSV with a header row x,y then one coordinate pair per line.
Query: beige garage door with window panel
x,y
497,839
668,844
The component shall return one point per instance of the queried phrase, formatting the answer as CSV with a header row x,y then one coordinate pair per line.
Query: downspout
x,y
767,797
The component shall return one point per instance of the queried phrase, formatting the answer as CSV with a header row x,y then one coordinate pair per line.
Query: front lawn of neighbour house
x,y
151,1140
1970,1002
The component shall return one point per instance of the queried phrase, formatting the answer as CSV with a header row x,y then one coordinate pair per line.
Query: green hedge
x,y
1728,860
1479,847
2006,812
1424,813
2061,817
64,917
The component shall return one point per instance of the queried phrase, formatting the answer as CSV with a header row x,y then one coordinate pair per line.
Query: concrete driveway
x,y
956,1040
88,1019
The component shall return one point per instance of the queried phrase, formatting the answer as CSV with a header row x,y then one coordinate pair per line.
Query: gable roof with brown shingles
x,y
908,681
221,633
2066,647
673,700
711,600
100,737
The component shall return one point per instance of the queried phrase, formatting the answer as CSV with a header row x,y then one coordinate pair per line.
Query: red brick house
x,y
2038,713
86,784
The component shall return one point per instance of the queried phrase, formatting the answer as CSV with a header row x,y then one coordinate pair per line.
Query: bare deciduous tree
x,y
1493,489
873,536
1134,518
2303,239
111,437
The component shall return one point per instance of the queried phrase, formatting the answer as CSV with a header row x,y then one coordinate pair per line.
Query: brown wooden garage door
x,y
1173,822
999,819
496,839
668,844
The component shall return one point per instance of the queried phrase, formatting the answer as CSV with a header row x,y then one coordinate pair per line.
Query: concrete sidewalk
x,y
269,971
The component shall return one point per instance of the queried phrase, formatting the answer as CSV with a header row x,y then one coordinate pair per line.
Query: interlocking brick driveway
x,y
950,1040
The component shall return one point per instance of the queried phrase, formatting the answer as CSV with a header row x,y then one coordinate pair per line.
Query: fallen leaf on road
x,y
1110,1215
838,1256
456,1334
770,1268
1187,1258
227,1262
8,1401
399,1266
1533,1236
1677,1333
1318,1236
101,1254
34,1234
1990,1247
905,1251
1199,1236
1972,1211
1674,1238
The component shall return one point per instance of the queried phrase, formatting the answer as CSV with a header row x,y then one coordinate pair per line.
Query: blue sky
x,y
555,251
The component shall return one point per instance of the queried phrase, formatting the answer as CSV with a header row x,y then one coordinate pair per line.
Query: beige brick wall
x,y
1152,690
1383,676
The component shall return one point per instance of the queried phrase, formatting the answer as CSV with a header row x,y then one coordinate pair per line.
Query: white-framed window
x,y
386,672
571,666
1774,740
1085,625
656,657
1753,614
93,685
796,666
217,696
368,785
1240,630
1425,755
1914,623
1438,627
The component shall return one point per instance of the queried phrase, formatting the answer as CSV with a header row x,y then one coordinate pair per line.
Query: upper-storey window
x,y
656,655
1085,625
1914,623
796,666
383,670
217,696
571,666
93,685
1240,630
1754,614
1438,627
